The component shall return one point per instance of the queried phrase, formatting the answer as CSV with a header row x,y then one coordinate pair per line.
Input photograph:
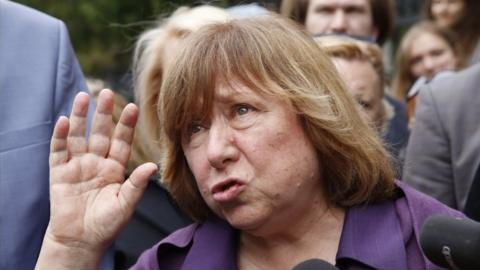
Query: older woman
x,y
264,148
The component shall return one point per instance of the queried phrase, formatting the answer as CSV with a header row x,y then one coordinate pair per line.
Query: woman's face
x,y
431,54
252,160
447,13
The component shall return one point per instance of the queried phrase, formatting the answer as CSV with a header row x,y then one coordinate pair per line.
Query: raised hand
x,y
90,199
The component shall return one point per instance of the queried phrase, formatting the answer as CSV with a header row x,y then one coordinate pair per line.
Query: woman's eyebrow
x,y
230,95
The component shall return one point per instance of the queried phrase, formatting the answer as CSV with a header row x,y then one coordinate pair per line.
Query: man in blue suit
x,y
39,77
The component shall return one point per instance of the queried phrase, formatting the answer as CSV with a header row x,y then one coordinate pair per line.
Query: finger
x,y
58,144
132,189
123,134
77,143
99,141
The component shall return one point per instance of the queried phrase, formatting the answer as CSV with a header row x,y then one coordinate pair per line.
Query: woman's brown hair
x,y
272,56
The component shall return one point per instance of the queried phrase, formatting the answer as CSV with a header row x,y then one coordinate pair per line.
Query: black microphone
x,y
314,264
452,243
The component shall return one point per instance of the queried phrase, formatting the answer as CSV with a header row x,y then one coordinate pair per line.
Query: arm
x,y
428,166
90,200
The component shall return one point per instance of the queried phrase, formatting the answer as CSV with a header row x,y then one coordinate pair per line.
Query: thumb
x,y
132,189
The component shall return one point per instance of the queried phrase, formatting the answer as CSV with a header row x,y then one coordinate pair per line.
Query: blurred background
x,y
103,32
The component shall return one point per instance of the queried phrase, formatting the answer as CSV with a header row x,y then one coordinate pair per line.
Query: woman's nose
x,y
221,148
429,67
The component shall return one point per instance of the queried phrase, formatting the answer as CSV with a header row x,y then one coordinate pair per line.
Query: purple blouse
x,y
375,236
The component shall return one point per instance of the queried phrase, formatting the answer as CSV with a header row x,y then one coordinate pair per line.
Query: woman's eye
x,y
242,109
195,128
243,116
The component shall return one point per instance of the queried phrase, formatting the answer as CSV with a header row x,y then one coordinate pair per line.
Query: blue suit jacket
x,y
39,77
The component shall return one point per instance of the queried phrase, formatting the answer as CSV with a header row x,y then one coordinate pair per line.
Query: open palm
x,y
90,199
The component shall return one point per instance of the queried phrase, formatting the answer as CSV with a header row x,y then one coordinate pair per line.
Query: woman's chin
x,y
244,225
248,222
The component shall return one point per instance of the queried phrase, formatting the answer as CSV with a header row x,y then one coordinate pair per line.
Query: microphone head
x,y
314,264
450,242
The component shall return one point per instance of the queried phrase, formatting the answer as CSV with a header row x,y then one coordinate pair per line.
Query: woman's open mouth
x,y
227,190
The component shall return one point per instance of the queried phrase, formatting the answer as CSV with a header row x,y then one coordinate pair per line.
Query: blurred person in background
x,y
360,64
372,20
424,51
264,148
39,78
462,18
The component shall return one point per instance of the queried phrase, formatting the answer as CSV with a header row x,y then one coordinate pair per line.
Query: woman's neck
x,y
314,236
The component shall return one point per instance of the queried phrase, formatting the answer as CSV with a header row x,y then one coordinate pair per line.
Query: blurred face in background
x,y
352,17
431,54
365,86
447,13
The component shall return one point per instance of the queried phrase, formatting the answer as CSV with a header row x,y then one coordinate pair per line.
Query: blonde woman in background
x,y
424,51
